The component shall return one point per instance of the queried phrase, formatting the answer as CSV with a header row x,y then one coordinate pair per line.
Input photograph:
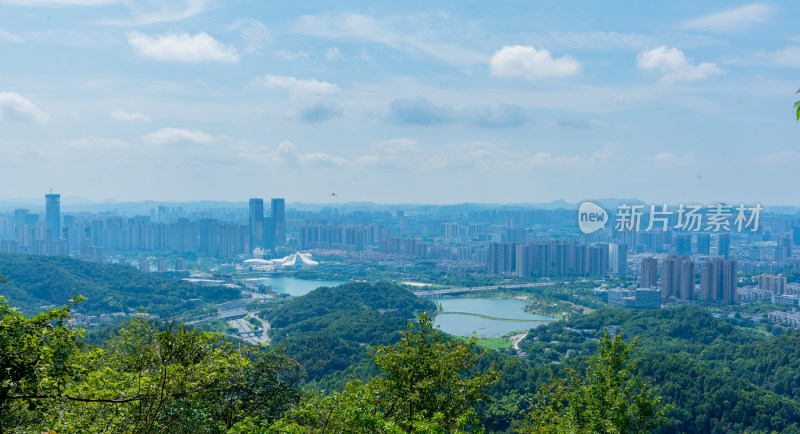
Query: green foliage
x,y
34,281
144,379
427,373
352,410
329,329
797,106
429,384
719,377
609,398
36,360
350,296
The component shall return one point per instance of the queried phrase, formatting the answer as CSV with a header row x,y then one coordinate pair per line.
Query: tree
x,y
610,398
428,375
147,379
353,410
36,361
797,106
430,384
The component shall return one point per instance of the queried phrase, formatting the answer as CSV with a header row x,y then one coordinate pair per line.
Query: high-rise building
x,y
683,245
256,223
703,244
718,281
53,213
502,258
669,277
787,246
677,277
279,220
686,279
269,233
649,273
773,283
618,259
709,280
724,245
728,281
597,256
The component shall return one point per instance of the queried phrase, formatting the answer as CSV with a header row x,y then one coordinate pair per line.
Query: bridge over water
x,y
451,291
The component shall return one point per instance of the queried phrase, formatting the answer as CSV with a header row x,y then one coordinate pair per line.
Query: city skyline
x,y
412,103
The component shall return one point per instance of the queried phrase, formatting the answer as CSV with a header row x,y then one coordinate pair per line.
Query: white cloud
x,y
254,33
673,65
385,31
402,152
15,106
10,37
294,85
789,56
286,154
733,19
609,157
166,136
670,160
784,157
531,64
397,146
97,142
156,11
291,55
321,159
183,47
333,53
59,2
601,40
122,116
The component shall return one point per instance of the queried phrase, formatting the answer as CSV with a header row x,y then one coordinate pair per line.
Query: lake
x,y
296,287
500,311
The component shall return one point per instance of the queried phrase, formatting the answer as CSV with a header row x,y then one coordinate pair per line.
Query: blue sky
x,y
423,102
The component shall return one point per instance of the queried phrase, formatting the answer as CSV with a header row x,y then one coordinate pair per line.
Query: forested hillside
x,y
716,375
36,281
330,328
719,376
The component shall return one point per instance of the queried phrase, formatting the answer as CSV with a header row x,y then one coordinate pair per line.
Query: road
x,y
440,292
248,333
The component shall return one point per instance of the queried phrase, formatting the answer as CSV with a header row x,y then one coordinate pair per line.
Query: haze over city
x,y
413,103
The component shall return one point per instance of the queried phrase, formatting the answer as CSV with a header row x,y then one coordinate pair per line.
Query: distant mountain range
x,y
78,204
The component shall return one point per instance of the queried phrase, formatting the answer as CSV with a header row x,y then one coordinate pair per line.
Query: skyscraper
x,y
256,223
703,244
649,272
677,277
279,221
670,272
618,259
718,281
686,281
709,280
724,245
683,245
53,213
728,281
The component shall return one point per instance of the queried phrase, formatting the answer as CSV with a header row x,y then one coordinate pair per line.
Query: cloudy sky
x,y
423,102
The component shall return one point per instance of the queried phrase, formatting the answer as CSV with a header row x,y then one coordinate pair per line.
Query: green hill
x,y
38,281
329,328
720,377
